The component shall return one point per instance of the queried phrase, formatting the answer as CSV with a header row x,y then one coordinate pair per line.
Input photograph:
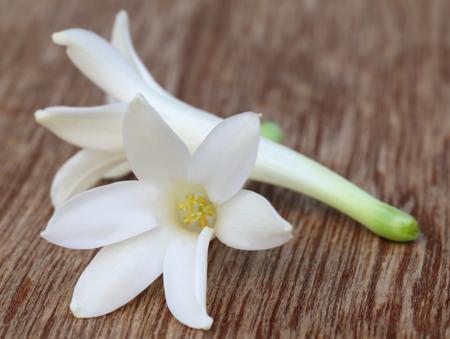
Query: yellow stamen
x,y
197,209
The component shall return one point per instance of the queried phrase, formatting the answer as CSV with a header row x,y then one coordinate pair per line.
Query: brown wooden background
x,y
361,86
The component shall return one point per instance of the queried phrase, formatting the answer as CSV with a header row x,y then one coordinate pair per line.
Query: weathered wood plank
x,y
361,86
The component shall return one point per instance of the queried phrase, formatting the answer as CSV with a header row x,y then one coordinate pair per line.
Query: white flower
x,y
117,70
163,222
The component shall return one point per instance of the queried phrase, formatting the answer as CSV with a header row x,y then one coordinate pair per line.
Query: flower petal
x,y
103,215
81,172
121,39
99,61
225,159
185,275
118,273
156,155
249,222
97,127
118,171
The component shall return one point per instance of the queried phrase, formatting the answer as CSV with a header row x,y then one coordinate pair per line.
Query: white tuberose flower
x,y
116,69
163,222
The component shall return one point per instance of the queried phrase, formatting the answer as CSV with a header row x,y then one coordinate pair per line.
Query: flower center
x,y
196,210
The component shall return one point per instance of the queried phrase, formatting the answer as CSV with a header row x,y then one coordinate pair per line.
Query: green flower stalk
x,y
116,69
287,168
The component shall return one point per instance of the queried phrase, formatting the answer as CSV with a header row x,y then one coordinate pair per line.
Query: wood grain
x,y
361,86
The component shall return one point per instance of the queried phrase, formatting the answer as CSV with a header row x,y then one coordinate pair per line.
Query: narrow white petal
x,y
156,155
118,273
97,127
121,39
103,216
224,160
118,171
249,222
201,265
103,64
81,172
185,275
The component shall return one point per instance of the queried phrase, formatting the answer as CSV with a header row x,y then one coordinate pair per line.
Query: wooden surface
x,y
361,86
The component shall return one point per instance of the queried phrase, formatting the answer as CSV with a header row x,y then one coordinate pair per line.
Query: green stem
x,y
272,131
284,167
